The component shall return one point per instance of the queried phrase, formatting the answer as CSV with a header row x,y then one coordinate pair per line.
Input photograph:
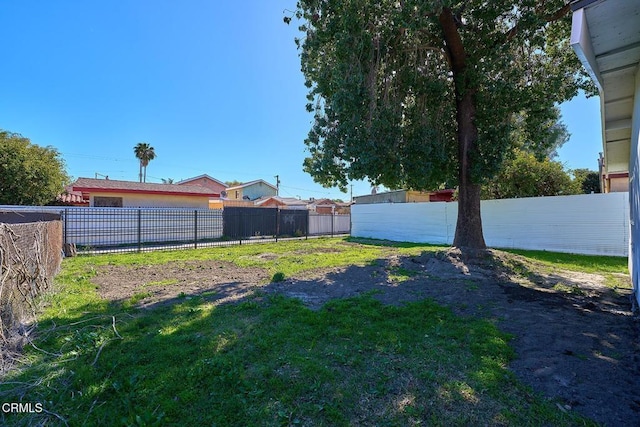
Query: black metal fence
x,y
123,229
241,222
93,230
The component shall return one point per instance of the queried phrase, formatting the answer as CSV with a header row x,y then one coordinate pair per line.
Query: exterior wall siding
x,y
634,192
596,224
619,185
133,200
258,190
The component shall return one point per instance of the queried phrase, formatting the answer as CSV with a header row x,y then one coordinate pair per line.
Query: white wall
x,y
595,224
137,200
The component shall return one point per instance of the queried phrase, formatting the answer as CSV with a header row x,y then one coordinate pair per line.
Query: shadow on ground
x,y
576,339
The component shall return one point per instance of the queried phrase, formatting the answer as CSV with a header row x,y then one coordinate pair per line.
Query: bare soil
x,y
576,339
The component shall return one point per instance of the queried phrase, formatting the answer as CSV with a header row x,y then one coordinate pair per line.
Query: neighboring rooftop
x,y
288,201
405,196
115,186
247,184
199,177
70,197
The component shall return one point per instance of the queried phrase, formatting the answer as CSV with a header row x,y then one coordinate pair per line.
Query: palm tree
x,y
145,153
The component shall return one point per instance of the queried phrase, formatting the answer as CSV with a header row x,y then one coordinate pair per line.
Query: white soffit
x,y
605,35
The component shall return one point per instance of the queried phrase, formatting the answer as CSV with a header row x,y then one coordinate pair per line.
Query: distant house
x,y
320,206
405,196
282,202
114,193
205,181
251,190
328,206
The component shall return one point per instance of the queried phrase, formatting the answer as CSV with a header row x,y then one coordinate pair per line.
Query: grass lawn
x,y
269,360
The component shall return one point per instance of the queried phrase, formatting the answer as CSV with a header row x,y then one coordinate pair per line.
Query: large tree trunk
x,y
469,225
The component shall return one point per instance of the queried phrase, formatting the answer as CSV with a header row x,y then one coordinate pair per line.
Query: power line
x,y
305,189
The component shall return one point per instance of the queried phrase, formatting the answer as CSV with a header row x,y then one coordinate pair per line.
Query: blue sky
x,y
214,86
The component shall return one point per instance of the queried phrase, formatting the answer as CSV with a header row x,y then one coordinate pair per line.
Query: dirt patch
x,y
576,339
216,281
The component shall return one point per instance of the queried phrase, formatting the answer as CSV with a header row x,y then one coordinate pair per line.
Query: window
x,y
107,202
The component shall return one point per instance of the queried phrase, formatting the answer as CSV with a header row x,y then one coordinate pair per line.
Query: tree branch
x,y
552,17
453,41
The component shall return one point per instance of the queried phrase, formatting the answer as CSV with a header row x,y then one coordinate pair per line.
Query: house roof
x,y
250,183
188,180
72,197
606,38
114,186
323,202
288,201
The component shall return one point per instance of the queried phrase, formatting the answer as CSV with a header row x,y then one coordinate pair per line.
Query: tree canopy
x,y
550,136
527,176
588,181
416,93
29,174
145,153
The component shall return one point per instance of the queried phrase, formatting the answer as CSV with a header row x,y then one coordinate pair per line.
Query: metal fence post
x,y
277,222
241,221
66,227
195,229
333,221
139,230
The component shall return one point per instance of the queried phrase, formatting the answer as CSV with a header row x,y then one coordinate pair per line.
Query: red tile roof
x,y
72,198
114,186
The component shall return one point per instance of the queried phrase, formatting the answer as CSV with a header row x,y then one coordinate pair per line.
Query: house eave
x,y
132,191
581,44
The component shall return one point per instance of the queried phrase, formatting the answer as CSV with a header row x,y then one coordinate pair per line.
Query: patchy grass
x,y
400,274
136,298
575,262
568,289
266,361
165,282
614,269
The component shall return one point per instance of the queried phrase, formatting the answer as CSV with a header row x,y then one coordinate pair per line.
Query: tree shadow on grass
x,y
375,350
576,340
269,361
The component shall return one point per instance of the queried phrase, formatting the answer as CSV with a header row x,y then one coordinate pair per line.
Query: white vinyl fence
x,y
595,224
320,224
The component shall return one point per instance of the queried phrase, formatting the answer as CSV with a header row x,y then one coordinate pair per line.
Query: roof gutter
x,y
579,4
129,191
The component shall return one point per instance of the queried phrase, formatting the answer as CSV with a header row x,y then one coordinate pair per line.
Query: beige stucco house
x,y
114,193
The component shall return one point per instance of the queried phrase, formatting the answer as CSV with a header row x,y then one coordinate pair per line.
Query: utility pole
x,y
351,193
277,177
